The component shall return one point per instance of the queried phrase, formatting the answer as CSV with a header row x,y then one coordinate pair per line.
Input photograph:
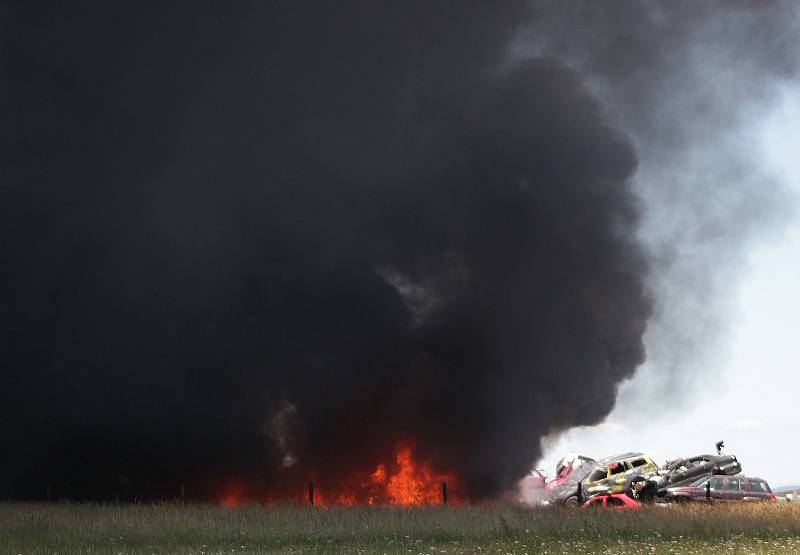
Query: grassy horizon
x,y
167,528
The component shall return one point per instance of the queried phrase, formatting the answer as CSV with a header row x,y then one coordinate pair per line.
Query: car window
x,y
599,474
615,502
732,485
759,486
617,468
638,462
595,502
716,483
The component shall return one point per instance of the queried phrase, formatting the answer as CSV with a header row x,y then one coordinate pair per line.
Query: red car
x,y
612,502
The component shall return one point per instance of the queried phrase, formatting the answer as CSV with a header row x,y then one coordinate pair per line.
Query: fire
x,y
234,496
379,476
413,484
403,481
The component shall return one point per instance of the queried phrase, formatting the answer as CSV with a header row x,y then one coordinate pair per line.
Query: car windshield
x,y
571,467
580,473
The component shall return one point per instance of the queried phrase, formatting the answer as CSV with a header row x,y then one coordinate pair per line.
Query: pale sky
x,y
751,397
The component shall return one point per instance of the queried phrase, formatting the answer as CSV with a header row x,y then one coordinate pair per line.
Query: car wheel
x,y
571,501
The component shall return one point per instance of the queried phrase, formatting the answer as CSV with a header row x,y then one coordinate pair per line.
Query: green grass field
x,y
201,529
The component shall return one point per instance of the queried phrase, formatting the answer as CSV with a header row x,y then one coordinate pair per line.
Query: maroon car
x,y
723,488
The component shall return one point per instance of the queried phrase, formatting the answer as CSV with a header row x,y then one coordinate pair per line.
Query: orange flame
x,y
404,482
413,484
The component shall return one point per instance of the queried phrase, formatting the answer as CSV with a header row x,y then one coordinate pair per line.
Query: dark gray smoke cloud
x,y
266,241
690,82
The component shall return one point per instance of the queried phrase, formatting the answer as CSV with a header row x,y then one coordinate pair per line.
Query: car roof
x,y
737,477
622,457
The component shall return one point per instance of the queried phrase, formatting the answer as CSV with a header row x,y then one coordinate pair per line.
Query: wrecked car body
x,y
681,472
615,474
686,471
579,477
609,475
565,466
565,486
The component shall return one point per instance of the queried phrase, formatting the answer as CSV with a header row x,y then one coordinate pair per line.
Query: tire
x,y
571,502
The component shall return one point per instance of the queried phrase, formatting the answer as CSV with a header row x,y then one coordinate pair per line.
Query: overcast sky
x,y
750,400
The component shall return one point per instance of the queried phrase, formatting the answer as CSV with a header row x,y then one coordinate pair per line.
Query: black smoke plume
x,y
264,240
692,83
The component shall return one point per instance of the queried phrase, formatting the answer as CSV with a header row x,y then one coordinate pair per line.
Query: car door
x,y
598,502
615,504
597,482
732,489
716,487
619,476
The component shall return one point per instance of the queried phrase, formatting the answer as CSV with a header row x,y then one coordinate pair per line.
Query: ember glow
x,y
402,481
234,496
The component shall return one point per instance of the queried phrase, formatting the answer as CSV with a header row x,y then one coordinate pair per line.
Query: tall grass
x,y
203,529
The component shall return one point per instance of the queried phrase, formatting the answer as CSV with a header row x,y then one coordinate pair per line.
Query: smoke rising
x,y
268,241
690,83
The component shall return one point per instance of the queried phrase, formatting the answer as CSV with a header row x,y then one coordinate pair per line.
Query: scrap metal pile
x,y
580,478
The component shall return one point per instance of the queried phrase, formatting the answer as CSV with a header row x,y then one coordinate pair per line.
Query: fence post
x,y
444,493
311,493
708,491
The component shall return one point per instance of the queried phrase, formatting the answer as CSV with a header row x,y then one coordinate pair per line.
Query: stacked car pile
x,y
625,480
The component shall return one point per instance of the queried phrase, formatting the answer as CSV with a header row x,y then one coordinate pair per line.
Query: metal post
x,y
444,493
311,493
708,491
